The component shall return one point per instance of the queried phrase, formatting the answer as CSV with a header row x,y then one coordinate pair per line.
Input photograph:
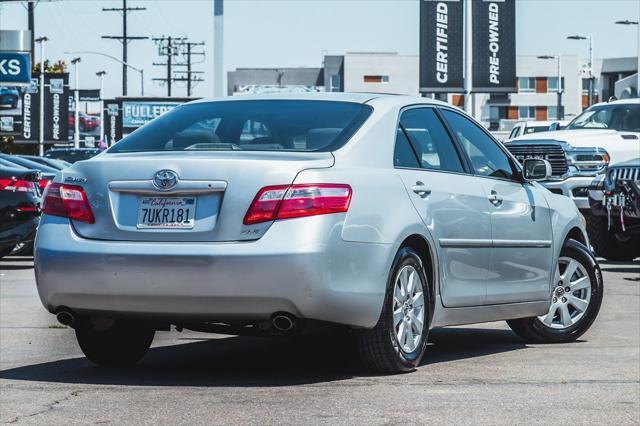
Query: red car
x,y
87,122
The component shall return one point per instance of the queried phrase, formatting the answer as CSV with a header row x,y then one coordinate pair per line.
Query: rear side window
x,y
260,125
404,155
429,139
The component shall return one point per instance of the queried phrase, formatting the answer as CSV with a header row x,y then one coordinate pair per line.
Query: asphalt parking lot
x,y
480,374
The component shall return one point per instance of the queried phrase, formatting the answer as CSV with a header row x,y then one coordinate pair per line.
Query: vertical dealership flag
x,y
494,46
441,46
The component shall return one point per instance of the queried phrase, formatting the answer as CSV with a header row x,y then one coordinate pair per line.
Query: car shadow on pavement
x,y
251,361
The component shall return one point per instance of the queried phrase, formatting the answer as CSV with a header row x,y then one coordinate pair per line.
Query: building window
x,y
526,84
376,78
526,112
552,84
552,113
335,83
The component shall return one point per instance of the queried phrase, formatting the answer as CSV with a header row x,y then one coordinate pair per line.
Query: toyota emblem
x,y
165,179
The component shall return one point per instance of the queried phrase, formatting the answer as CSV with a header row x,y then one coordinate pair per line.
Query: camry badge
x,y
165,179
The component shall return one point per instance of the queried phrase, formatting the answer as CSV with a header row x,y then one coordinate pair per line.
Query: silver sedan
x,y
389,215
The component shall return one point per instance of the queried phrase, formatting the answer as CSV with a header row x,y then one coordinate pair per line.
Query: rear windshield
x,y
261,125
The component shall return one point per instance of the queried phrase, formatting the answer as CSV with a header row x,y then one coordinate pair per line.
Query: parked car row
x,y
23,179
596,162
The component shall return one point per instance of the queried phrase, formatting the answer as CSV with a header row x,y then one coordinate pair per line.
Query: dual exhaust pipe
x,y
282,322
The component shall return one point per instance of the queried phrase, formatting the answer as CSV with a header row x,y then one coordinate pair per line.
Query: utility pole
x,y
124,38
167,46
32,28
187,50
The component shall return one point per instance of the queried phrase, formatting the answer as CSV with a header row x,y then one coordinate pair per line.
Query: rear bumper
x,y
301,266
569,188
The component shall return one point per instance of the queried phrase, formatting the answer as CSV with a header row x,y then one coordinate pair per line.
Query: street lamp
x,y
628,22
560,114
101,75
140,70
590,65
76,110
41,40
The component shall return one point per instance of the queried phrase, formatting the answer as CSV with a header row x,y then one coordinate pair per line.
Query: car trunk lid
x,y
221,185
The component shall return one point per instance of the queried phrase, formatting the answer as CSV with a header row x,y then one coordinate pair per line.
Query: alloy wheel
x,y
571,295
408,309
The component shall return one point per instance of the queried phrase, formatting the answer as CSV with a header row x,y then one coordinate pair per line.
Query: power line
x,y
124,38
173,48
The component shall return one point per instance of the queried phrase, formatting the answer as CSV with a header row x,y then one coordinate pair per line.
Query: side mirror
x,y
534,169
554,126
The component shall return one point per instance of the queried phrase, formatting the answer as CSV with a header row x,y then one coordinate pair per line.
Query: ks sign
x,y
15,68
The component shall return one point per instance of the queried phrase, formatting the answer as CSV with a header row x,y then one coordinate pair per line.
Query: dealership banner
x,y
139,113
20,116
56,108
441,46
124,115
112,120
494,46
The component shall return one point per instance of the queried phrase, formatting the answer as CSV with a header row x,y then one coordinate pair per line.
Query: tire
x,y
544,329
5,251
124,344
380,348
606,244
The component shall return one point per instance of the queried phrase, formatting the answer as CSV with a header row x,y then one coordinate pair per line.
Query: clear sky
x,y
285,33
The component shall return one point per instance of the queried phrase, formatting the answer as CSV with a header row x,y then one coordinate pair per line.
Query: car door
x,y
450,201
521,254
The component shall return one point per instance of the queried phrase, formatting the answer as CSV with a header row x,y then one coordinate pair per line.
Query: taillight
x,y
289,201
27,208
67,201
42,183
17,185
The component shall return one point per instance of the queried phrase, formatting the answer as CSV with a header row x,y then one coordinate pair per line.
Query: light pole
x,y
560,113
628,22
41,40
101,75
90,52
76,110
590,65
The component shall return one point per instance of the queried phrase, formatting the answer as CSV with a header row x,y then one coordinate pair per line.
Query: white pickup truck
x,y
605,133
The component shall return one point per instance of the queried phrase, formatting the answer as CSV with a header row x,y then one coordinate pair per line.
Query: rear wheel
x,y
575,301
123,344
606,243
397,343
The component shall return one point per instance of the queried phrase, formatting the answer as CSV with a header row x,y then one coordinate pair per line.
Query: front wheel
x,y
397,343
575,300
123,344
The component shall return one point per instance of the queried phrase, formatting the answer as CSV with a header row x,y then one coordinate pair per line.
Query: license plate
x,y
166,213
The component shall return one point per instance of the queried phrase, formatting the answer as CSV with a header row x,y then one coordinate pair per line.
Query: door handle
x,y
495,198
421,189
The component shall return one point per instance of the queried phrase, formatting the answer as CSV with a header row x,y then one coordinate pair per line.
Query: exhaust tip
x,y
66,318
283,322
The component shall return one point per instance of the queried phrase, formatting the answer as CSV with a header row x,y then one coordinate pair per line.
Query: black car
x,y
19,207
614,224
51,162
72,155
47,172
